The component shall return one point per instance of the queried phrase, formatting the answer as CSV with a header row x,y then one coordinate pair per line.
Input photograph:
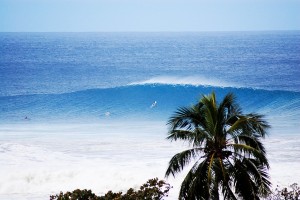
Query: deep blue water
x,y
75,108
65,62
81,76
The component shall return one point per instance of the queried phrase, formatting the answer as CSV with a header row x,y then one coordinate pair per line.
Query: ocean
x,y
89,110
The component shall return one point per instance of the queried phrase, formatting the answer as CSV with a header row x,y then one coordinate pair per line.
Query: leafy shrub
x,y
153,189
291,193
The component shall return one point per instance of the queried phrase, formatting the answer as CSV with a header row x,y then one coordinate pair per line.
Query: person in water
x,y
153,104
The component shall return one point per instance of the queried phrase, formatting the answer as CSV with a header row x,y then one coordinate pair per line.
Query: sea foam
x,y
186,80
102,157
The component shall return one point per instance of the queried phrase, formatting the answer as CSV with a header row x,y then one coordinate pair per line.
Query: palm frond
x,y
258,173
186,118
229,102
180,160
214,191
250,151
195,137
210,112
195,185
227,192
244,186
181,135
228,109
251,124
251,141
211,161
258,124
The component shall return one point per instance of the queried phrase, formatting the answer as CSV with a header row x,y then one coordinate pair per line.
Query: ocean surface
x,y
89,110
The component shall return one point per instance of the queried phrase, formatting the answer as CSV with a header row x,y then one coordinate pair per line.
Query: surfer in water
x,y
153,104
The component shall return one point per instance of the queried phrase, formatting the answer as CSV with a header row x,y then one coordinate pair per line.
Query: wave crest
x,y
189,80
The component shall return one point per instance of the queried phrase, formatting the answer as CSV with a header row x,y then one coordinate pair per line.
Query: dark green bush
x,y
290,193
153,189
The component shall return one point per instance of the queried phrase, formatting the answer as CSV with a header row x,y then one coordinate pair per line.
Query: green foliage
x,y
291,193
75,195
153,189
226,147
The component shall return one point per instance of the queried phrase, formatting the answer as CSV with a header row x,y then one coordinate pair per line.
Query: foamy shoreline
x,y
41,160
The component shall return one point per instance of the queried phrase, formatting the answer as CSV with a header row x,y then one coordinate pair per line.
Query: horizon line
x,y
206,31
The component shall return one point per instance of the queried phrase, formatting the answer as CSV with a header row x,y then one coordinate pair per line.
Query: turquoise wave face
x,y
140,102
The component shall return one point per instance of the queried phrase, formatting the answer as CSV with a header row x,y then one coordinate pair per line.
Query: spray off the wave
x,y
190,80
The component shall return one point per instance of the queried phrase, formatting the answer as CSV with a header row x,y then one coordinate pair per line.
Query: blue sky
x,y
148,15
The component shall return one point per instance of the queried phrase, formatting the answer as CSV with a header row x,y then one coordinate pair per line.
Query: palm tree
x,y
230,159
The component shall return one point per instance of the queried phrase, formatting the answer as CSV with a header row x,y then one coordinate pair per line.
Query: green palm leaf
x,y
180,160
